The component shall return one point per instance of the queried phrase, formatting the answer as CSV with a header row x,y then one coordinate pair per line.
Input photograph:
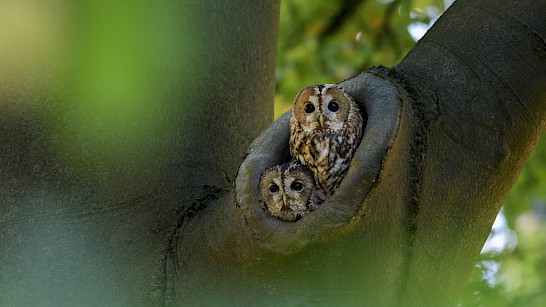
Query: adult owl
x,y
325,130
288,191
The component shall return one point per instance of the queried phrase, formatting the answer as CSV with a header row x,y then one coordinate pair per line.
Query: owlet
x,y
288,191
325,130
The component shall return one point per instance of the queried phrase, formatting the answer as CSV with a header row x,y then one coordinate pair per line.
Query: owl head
x,y
288,191
324,108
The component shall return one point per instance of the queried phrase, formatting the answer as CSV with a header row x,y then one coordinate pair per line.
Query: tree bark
x,y
447,132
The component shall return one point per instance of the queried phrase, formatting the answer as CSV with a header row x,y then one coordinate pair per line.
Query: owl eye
x,y
309,108
296,186
274,188
333,106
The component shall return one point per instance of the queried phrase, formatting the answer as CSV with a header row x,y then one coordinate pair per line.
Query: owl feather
x,y
325,130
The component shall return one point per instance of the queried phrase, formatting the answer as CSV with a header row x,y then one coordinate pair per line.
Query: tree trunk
x,y
94,216
139,109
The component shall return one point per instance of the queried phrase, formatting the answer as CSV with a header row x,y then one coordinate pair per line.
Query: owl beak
x,y
284,201
321,121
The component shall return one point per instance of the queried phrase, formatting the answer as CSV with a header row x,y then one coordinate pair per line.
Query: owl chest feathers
x,y
327,154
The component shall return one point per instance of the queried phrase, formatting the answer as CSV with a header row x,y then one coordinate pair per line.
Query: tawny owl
x,y
325,130
288,191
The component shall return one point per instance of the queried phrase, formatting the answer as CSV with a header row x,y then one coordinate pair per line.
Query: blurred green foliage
x,y
112,54
329,41
97,75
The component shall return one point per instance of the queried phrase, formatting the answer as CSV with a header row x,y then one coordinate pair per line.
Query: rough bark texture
x,y
448,131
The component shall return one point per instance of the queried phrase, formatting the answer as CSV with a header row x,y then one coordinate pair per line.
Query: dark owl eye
x,y
274,188
296,186
309,108
333,106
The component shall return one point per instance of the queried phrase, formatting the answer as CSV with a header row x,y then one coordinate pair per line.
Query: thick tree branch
x,y
346,11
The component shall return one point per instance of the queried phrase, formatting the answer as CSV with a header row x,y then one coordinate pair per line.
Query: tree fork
x,y
467,105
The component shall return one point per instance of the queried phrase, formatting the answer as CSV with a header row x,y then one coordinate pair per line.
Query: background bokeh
x,y
325,41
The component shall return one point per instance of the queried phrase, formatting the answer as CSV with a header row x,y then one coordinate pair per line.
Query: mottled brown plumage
x,y
288,191
325,130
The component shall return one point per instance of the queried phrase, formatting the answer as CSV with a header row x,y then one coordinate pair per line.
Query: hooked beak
x,y
284,201
321,121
